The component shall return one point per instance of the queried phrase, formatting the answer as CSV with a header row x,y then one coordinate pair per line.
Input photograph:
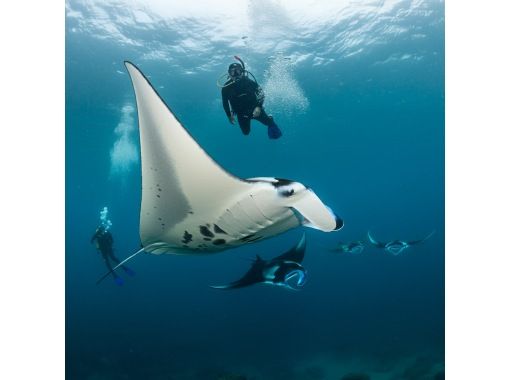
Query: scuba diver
x,y
104,244
244,97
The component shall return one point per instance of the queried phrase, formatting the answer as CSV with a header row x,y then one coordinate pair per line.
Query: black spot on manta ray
x,y
219,241
282,182
157,195
286,193
206,231
219,230
207,239
187,237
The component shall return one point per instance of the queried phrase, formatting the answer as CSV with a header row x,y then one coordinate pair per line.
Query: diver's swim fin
x,y
119,265
274,132
119,281
129,271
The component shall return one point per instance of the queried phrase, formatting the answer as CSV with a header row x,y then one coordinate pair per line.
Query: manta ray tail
x,y
375,242
119,265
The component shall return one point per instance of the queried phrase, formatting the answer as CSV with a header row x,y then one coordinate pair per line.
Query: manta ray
x,y
191,205
280,271
395,247
354,247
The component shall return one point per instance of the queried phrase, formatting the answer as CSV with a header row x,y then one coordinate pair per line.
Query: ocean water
x,y
358,91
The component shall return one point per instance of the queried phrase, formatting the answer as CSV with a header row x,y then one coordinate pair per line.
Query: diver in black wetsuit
x,y
104,244
243,97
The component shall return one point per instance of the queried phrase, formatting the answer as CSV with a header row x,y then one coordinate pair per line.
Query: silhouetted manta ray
x,y
192,205
278,271
396,247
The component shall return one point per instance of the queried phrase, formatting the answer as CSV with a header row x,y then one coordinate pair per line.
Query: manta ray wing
x,y
414,242
253,276
375,242
295,254
178,176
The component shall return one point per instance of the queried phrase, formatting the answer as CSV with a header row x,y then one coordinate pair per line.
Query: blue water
x,y
358,91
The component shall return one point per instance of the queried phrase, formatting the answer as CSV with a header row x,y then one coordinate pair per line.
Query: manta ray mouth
x,y
296,279
356,250
396,249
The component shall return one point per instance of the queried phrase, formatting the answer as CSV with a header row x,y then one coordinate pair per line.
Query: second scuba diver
x,y
104,244
243,97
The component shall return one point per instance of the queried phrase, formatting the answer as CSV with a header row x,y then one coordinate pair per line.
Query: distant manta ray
x,y
354,247
191,205
279,271
396,247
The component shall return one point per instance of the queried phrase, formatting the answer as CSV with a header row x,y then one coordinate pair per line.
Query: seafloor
x,y
325,366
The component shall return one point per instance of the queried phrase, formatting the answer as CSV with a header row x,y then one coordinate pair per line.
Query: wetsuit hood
x,y
235,71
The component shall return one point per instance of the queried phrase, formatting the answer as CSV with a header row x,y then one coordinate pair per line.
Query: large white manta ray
x,y
192,205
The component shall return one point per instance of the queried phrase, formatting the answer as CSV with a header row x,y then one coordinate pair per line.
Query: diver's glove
x,y
257,111
232,119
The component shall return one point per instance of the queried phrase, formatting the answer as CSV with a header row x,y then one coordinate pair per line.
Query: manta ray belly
x,y
239,223
257,215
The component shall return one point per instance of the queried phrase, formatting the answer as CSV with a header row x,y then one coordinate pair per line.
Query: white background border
x,y
477,190
32,90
